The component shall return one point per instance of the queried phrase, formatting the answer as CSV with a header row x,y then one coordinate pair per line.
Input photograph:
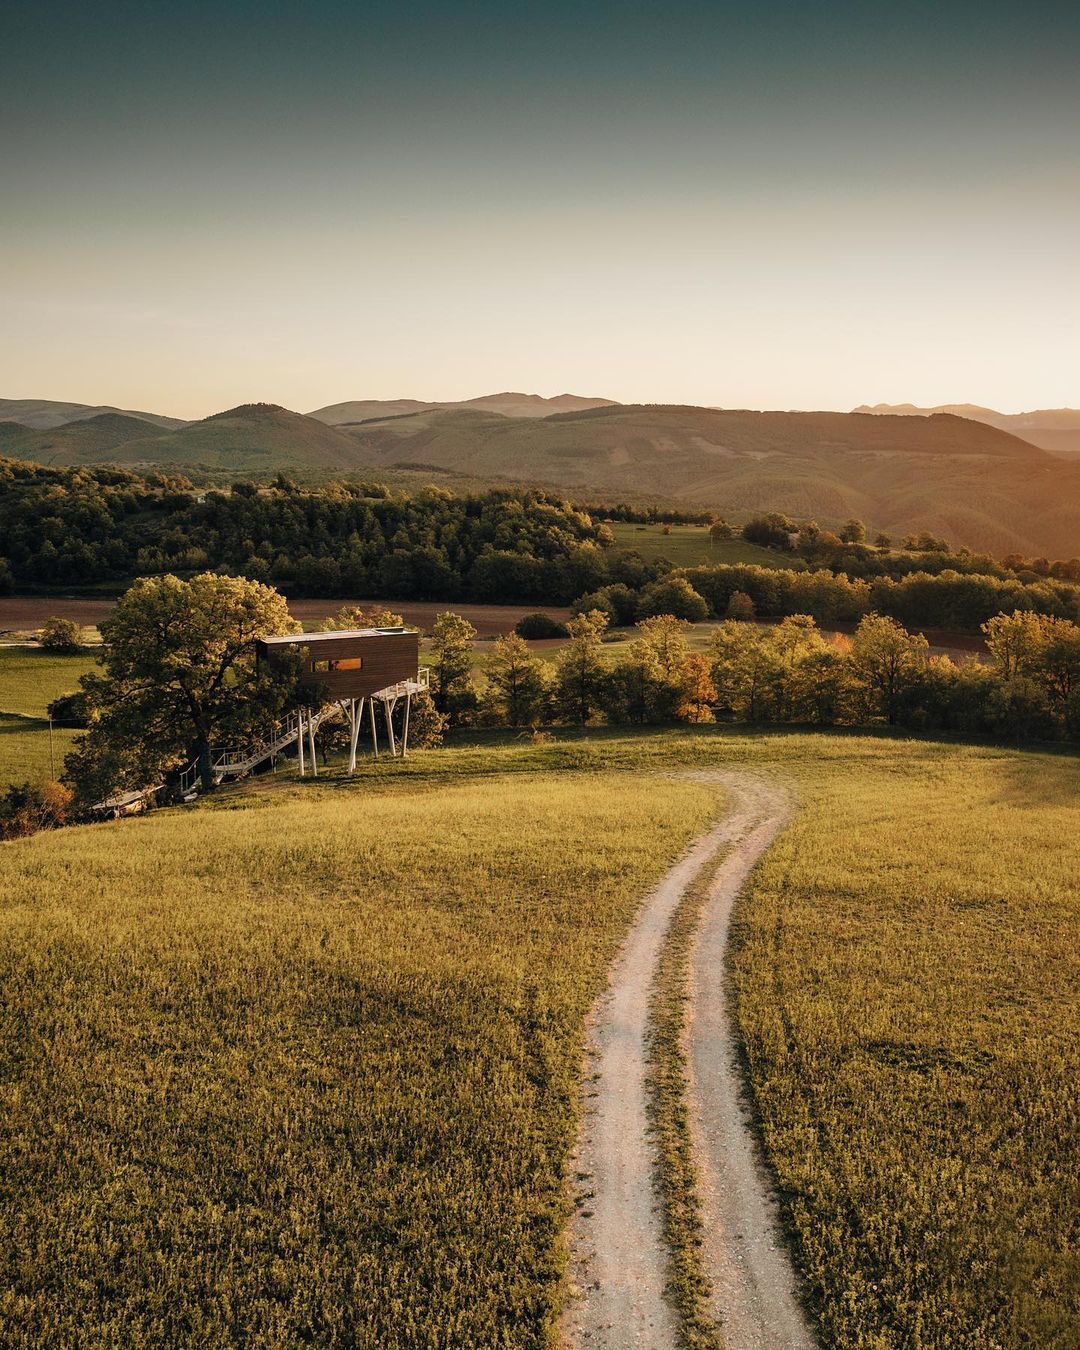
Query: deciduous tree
x,y
179,674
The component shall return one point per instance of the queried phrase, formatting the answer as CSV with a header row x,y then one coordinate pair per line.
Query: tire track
x,y
617,1254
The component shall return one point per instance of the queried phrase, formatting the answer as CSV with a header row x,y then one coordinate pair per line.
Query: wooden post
x,y
311,747
300,740
354,731
374,733
405,728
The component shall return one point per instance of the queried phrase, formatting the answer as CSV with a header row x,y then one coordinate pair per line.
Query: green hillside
x,y
45,413
253,438
84,441
970,483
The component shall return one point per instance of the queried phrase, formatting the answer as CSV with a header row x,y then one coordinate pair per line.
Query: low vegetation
x,y
689,1286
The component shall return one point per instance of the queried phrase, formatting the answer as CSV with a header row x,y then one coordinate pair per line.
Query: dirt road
x,y
744,1254
617,1254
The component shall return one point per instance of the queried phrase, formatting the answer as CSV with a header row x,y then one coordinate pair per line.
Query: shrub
x,y
61,635
26,808
740,606
617,601
70,709
673,595
536,626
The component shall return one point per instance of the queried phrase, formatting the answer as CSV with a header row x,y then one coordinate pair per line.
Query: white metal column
x,y
374,733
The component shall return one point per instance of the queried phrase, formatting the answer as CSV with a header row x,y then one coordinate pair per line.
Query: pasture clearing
x,y
29,680
302,1061
690,545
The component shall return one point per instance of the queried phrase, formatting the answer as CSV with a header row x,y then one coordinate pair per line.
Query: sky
x,y
762,205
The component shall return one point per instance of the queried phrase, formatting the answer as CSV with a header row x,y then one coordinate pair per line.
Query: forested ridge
x,y
68,527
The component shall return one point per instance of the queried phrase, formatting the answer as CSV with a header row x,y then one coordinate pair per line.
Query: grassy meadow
x,y
690,545
29,681
907,965
300,1064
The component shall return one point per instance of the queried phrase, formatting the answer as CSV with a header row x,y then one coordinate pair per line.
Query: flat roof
x,y
289,639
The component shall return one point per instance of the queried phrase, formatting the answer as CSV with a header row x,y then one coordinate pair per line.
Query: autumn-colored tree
x,y
698,693
28,807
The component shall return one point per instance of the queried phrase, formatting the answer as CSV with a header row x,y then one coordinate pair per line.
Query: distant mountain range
x,y
959,477
506,405
1056,429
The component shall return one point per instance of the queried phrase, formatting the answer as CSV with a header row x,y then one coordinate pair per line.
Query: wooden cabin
x,y
353,663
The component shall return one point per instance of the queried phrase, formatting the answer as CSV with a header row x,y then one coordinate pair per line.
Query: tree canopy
x,y
179,673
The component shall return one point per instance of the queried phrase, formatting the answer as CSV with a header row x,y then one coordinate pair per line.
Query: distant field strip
x,y
305,1068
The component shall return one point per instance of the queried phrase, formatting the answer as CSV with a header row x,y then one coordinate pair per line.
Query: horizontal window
x,y
341,663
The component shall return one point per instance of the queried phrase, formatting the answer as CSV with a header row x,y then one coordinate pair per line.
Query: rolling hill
x,y
45,413
972,483
87,440
962,479
253,438
1054,429
506,405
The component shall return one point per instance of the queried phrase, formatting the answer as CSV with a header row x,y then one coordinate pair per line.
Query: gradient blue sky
x,y
754,205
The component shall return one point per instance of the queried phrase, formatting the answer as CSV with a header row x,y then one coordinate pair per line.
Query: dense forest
x,y
82,526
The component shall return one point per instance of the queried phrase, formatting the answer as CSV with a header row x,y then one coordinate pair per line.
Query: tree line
x,y
785,673
91,526
178,675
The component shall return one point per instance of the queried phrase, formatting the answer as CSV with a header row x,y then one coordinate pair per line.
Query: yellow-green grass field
x,y
305,1070
300,1064
29,681
690,545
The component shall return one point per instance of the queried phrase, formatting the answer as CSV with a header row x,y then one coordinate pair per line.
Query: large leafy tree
x,y
179,675
889,662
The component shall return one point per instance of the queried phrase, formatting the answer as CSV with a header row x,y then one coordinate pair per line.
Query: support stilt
x,y
355,715
311,747
374,733
300,740
389,706
405,728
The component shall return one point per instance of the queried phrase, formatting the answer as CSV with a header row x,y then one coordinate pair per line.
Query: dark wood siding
x,y
386,658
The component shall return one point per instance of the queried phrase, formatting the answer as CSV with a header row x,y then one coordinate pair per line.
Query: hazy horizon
x,y
424,398
770,206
